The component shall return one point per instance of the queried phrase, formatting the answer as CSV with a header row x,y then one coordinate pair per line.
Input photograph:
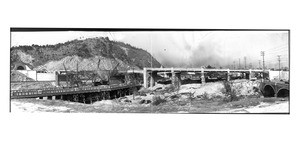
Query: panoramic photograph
x,y
177,71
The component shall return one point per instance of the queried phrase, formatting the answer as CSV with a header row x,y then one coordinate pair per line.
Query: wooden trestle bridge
x,y
80,94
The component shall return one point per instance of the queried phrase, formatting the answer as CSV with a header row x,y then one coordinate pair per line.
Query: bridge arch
x,y
282,93
269,91
20,67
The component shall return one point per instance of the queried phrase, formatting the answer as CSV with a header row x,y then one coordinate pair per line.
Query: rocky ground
x,y
263,107
17,76
190,98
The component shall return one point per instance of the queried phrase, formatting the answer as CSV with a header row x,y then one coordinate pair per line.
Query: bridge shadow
x,y
283,93
269,91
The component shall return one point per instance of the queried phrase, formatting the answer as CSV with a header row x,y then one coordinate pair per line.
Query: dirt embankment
x,y
31,85
17,76
71,62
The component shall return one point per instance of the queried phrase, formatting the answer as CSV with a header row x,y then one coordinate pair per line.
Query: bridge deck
x,y
30,93
198,69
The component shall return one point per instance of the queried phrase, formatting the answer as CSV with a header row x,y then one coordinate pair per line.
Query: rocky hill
x,y
86,53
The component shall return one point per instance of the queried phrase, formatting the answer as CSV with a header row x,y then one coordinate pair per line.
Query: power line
x,y
275,52
272,55
275,61
283,45
275,58
274,49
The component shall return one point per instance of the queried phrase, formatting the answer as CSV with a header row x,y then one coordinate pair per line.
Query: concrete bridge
x,y
269,88
175,74
275,88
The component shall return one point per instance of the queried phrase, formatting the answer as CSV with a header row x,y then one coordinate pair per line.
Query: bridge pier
x,y
228,75
202,76
250,74
173,76
178,77
152,80
145,78
56,79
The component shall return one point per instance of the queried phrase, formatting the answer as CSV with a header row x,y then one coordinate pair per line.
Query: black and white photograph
x,y
149,70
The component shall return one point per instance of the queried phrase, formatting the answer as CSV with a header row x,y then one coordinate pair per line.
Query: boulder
x,y
167,94
184,96
104,102
127,101
144,90
157,87
186,91
174,96
143,101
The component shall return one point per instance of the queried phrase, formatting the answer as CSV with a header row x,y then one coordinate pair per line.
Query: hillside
x,y
85,52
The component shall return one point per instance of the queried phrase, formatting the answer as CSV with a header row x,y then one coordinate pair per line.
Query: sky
x,y
186,48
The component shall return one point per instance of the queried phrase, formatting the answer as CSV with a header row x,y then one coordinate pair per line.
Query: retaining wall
x,y
274,75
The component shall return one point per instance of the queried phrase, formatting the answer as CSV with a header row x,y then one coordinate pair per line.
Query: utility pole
x,y
278,61
233,64
279,66
258,64
239,63
263,55
245,59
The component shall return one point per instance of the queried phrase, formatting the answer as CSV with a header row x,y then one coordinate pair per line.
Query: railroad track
x,y
82,94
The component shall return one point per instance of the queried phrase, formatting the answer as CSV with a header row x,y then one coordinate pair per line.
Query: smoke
x,y
207,53
195,55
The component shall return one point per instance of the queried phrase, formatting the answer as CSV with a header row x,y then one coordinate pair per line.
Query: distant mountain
x,y
86,53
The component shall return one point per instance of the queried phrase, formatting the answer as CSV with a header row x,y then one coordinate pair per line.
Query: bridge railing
x,y
200,69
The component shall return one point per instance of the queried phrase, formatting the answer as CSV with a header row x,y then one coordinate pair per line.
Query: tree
x,y
210,67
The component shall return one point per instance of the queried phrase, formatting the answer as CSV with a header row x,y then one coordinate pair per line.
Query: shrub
x,y
205,96
230,94
175,96
157,100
